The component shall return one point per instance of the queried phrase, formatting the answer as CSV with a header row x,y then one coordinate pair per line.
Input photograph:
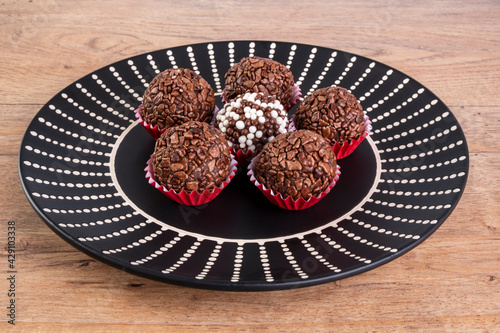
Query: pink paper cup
x,y
288,202
194,198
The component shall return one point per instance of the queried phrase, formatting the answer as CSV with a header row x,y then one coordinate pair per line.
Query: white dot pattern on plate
x,y
194,64
362,77
211,261
116,97
318,83
139,242
319,257
346,70
152,63
384,78
104,106
129,89
272,50
67,169
304,72
238,259
291,55
163,249
73,134
213,65
98,222
171,58
343,250
292,261
119,233
264,259
185,257
230,51
138,74
251,49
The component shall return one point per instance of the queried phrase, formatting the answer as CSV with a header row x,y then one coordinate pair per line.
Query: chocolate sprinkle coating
x,y
176,96
256,74
251,120
298,164
192,157
332,112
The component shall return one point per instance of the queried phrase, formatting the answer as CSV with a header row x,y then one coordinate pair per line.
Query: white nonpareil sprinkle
x,y
240,124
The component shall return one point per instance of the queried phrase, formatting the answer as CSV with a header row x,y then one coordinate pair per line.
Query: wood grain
x,y
450,283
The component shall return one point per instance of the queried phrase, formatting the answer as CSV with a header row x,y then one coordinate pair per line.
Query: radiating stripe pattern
x,y
66,170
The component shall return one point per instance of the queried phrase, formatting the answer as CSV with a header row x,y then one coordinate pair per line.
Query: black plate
x,y
82,158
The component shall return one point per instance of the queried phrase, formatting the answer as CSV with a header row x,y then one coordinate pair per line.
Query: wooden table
x,y
450,283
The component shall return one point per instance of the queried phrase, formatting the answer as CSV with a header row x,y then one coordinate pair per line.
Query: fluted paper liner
x,y
194,198
288,202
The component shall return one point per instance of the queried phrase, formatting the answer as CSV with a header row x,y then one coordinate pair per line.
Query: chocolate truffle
x,y
298,164
176,96
332,112
255,74
251,120
192,157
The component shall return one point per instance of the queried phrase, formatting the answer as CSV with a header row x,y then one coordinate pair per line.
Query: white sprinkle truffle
x,y
251,120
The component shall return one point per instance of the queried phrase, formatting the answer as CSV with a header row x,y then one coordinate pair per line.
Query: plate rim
x,y
242,286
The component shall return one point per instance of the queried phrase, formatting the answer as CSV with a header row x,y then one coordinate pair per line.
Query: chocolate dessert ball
x,y
255,74
192,157
332,112
251,120
176,96
297,164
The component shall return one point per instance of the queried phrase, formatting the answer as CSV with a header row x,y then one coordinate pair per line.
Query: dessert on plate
x,y
174,97
295,170
334,113
255,74
249,121
191,163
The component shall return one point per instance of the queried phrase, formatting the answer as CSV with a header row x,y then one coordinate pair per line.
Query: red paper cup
x,y
243,157
288,202
194,198
347,148
155,131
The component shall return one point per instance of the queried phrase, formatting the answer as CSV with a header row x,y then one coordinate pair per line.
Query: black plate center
x,y
240,211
